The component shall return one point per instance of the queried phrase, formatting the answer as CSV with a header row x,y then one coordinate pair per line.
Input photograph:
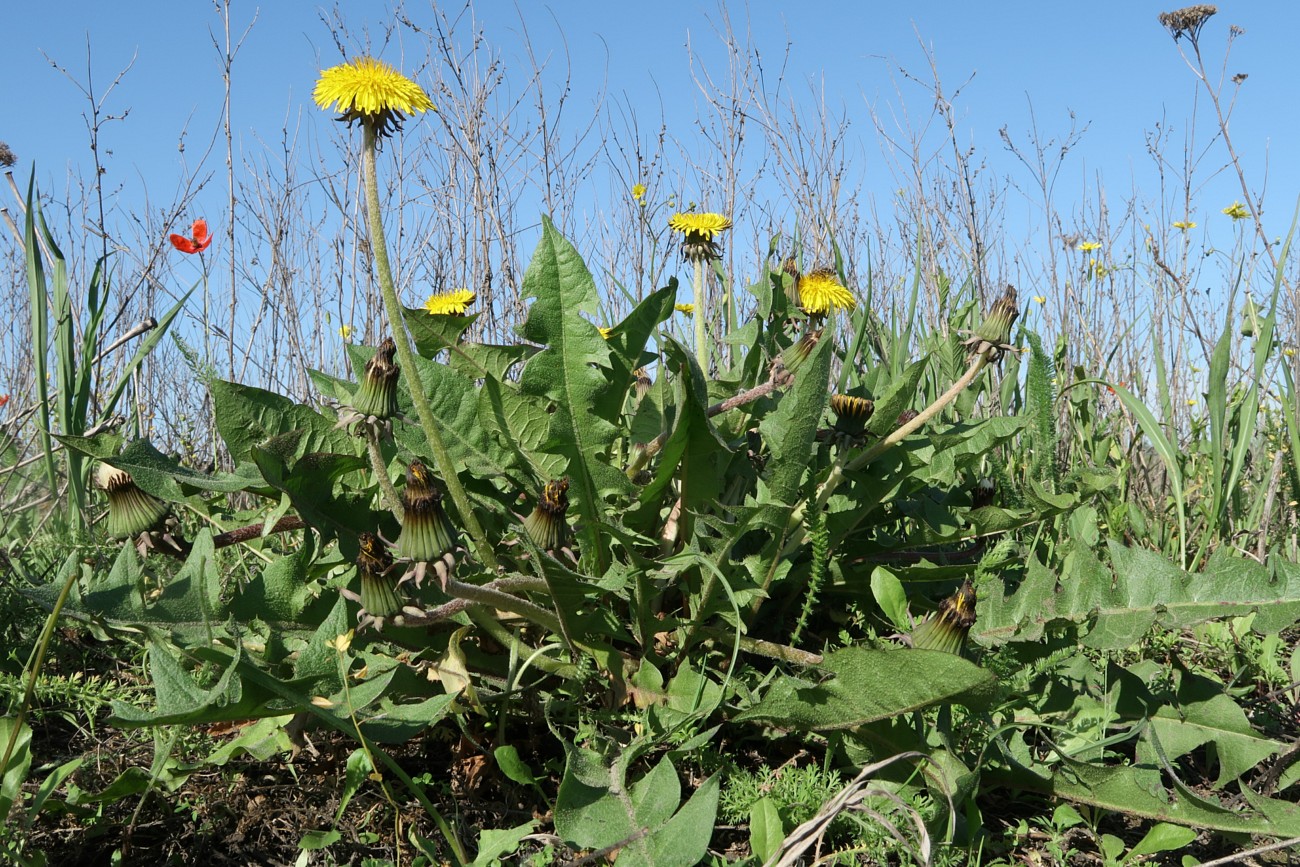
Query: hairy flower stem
x,y
381,474
701,333
379,248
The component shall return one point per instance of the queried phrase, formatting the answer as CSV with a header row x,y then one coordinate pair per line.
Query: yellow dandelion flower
x,y
1184,225
345,331
371,92
699,231
1041,299
688,309
451,303
638,191
820,292
1089,246
605,332
1289,352
705,225
1237,211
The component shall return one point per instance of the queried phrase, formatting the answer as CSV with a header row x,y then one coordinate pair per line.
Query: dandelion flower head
x,y
820,292
453,303
372,92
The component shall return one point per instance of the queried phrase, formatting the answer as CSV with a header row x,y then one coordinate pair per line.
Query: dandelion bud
x,y
851,413
377,394
378,586
982,496
795,355
427,532
546,525
995,331
947,628
130,510
643,383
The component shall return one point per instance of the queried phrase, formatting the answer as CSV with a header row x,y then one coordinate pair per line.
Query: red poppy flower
x,y
4,398
197,242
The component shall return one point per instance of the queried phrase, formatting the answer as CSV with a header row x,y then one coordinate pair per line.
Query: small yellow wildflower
x,y
371,92
341,643
688,309
820,292
605,332
1089,246
699,230
638,191
1184,225
451,303
1041,299
345,331
1191,401
1098,270
1289,352
1237,211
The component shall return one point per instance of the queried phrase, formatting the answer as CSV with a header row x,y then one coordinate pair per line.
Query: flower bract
x,y
131,511
427,532
196,242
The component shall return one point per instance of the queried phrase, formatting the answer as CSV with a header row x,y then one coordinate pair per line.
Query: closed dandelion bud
x,y
947,628
643,383
995,331
795,355
377,394
378,585
131,511
983,494
851,413
427,532
546,526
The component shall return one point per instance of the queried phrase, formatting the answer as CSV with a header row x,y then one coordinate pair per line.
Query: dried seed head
x,y
1187,21
643,383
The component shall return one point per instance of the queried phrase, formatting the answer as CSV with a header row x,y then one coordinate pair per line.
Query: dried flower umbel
x,y
131,511
947,628
1187,21
427,532
546,526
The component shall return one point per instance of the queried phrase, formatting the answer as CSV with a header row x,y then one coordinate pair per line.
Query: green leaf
x,y
1163,837
20,762
494,845
568,373
247,416
514,767
766,830
871,685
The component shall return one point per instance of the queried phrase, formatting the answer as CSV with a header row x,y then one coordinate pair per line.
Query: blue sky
x,y
1109,63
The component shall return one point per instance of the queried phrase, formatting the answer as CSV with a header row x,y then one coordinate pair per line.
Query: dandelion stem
x,y
379,248
701,333
381,474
